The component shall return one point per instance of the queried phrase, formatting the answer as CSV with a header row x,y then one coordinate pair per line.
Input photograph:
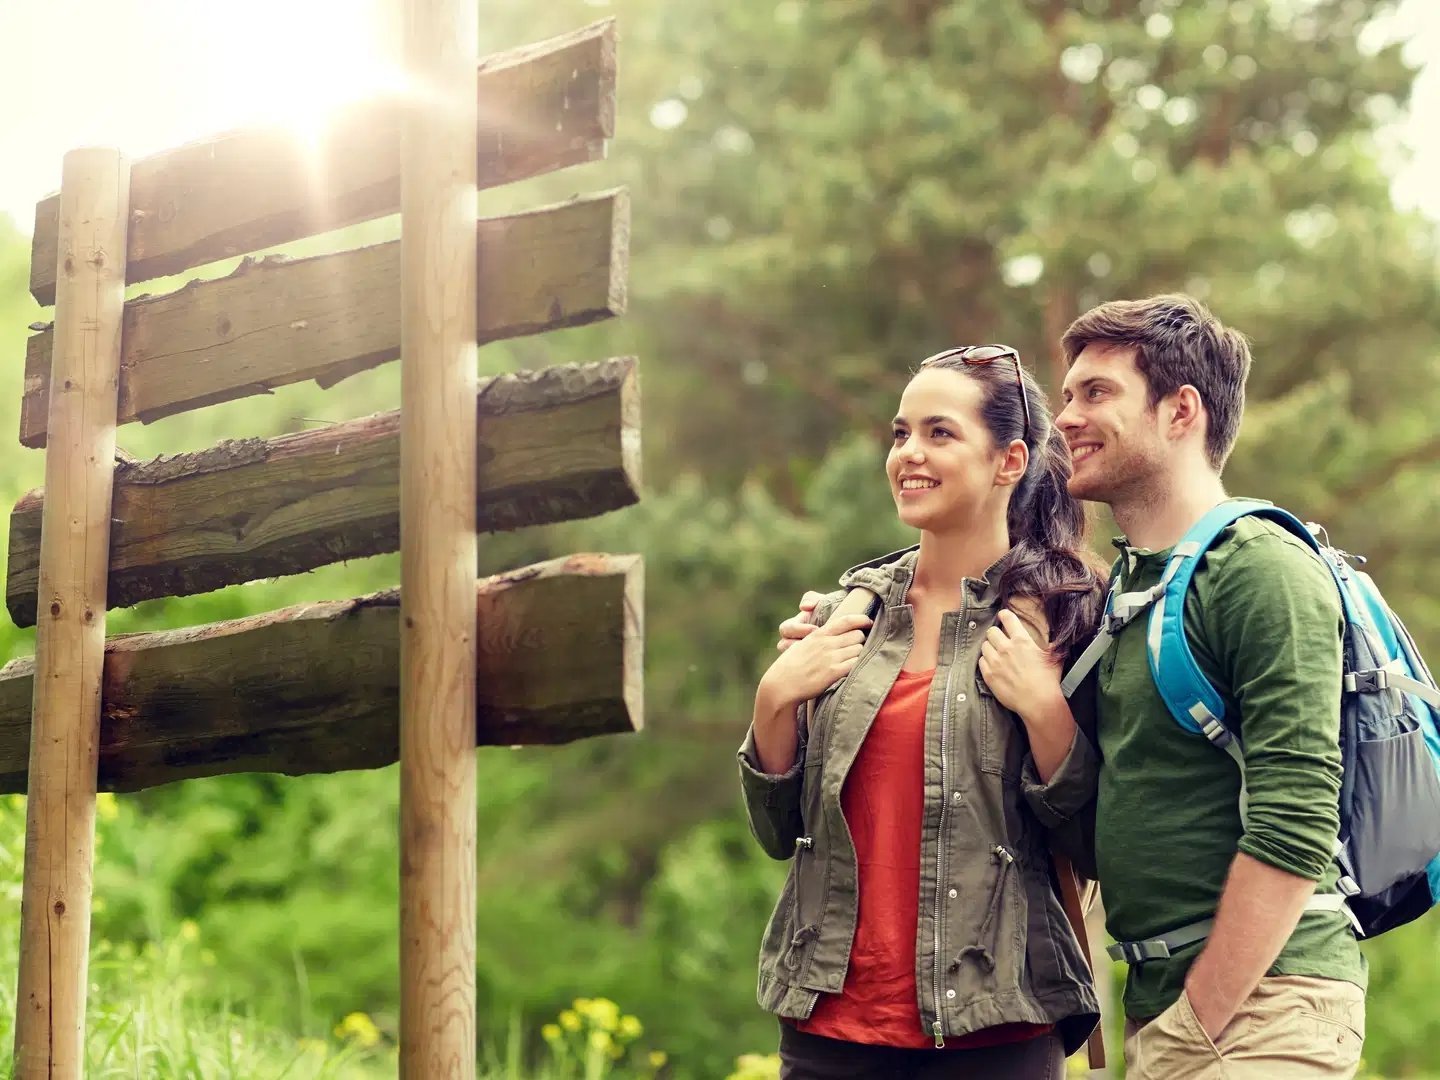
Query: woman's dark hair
x,y
1049,560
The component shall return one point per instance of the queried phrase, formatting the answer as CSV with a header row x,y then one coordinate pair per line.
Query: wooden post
x,y
70,633
437,543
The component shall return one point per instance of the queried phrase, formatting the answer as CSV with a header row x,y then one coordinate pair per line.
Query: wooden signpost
x,y
421,674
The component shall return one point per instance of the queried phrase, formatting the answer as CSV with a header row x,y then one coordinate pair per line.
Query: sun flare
x,y
186,71
288,63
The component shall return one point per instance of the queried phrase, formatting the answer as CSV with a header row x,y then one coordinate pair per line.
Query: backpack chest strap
x,y
1163,946
1121,609
1387,678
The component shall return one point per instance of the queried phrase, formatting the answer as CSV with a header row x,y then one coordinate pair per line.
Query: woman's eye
x,y
941,433
897,435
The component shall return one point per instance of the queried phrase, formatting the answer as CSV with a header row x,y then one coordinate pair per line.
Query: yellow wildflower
x,y
106,808
605,1013
630,1027
600,1040
756,1067
550,1032
658,1058
189,930
359,1028
570,1020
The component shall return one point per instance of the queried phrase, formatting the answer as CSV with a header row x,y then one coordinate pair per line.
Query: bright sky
x,y
146,75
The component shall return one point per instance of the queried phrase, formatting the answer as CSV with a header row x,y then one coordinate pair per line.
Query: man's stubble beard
x,y
1132,489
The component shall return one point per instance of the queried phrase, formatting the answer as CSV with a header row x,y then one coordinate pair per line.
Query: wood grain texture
x,y
279,321
539,108
70,638
316,688
555,445
438,287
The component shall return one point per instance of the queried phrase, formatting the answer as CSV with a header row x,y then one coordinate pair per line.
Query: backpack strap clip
x,y
1367,682
1378,679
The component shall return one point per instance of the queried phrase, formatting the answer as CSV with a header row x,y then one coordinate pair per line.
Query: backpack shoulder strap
x,y
857,601
1194,703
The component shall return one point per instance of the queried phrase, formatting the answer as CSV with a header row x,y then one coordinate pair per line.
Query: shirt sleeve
x,y
773,800
1272,630
1065,805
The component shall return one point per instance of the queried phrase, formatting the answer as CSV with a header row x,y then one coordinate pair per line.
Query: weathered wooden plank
x,y
541,107
555,445
279,321
315,688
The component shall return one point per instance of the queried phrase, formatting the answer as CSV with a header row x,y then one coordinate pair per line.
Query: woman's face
x,y
943,463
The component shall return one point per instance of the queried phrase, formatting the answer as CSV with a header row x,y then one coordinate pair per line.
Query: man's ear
x,y
1187,412
1013,464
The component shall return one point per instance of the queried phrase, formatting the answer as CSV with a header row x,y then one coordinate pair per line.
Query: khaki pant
x,y
1292,1026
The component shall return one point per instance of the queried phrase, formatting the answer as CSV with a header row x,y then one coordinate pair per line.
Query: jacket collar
x,y
890,575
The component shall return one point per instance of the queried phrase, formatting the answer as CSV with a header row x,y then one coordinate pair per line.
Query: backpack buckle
x,y
1368,682
1139,952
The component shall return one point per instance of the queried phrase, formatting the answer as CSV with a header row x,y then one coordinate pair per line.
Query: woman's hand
x,y
812,663
1024,677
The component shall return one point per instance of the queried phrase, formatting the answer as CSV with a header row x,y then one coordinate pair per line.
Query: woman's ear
x,y
1013,464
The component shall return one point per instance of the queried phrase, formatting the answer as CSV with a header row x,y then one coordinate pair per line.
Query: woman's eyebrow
x,y
938,418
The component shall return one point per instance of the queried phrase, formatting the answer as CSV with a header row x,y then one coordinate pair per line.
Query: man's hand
x,y
799,626
1259,907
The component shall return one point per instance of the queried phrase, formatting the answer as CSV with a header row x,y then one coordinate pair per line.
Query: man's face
x,y
1116,447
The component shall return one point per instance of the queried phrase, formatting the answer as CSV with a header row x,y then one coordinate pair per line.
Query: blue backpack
x,y
1389,843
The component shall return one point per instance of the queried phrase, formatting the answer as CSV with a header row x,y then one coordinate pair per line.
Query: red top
x,y
884,802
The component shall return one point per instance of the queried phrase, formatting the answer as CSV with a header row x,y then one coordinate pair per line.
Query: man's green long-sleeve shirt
x,y
1263,619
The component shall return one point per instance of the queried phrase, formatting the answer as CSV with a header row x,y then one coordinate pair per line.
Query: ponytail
x,y
1049,561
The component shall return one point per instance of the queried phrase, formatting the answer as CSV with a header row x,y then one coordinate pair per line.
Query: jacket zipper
x,y
936,1028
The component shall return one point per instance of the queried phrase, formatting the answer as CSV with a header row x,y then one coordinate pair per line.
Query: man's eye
x,y
1095,392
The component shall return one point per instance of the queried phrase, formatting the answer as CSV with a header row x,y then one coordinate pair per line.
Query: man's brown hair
x,y
1177,341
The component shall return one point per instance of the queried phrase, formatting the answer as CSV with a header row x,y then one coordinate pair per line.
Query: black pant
x,y
815,1057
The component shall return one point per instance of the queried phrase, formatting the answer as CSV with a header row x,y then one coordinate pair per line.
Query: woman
x,y
918,773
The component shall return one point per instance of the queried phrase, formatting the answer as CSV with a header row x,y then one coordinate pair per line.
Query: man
x,y
1152,405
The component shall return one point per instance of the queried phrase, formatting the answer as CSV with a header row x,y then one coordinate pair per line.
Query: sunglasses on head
x,y
982,355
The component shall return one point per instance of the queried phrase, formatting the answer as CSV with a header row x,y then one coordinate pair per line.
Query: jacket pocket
x,y
785,948
993,961
779,930
1002,737
803,928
